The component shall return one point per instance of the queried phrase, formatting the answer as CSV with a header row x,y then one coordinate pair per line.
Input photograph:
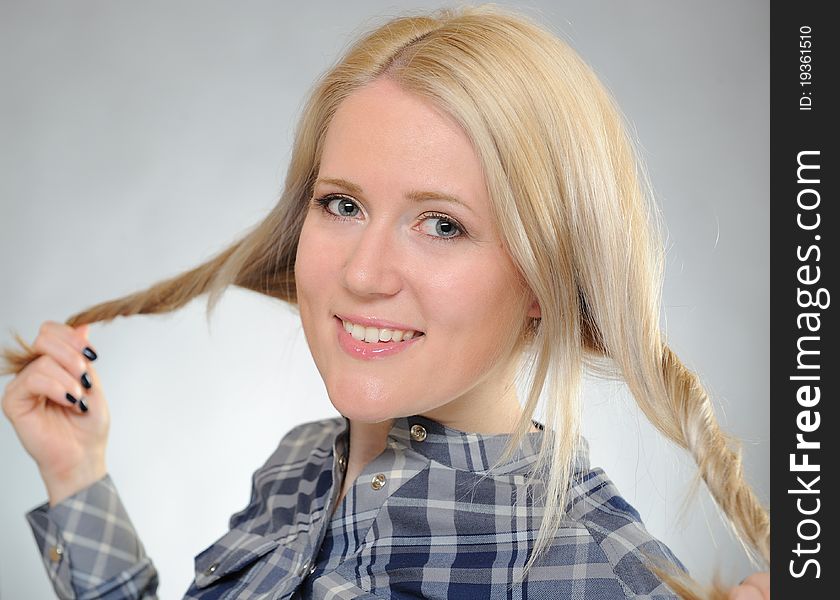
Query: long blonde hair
x,y
572,206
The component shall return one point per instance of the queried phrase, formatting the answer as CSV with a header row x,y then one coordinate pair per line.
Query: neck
x,y
490,408
368,440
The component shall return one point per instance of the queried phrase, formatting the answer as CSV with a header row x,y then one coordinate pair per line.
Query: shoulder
x,y
620,535
306,440
294,480
313,431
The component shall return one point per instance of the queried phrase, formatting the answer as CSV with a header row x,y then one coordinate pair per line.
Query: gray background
x,y
137,139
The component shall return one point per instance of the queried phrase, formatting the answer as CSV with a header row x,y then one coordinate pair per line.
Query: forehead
x,y
385,138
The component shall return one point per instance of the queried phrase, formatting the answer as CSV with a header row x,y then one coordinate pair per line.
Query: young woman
x,y
462,202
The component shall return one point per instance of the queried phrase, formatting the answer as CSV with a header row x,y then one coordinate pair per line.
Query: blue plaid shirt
x,y
419,522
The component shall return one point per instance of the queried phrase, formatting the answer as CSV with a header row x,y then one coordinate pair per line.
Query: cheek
x,y
312,277
476,308
312,264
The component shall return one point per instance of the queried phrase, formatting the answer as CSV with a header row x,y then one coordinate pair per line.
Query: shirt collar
x,y
473,452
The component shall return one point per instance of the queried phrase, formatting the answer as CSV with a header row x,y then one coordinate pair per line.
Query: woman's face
x,y
389,246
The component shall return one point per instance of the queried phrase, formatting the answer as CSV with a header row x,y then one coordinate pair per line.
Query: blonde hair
x,y
572,205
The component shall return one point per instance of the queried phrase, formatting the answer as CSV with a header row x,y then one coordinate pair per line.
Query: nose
x,y
372,266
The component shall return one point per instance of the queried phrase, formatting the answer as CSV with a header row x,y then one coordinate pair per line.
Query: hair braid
x,y
719,464
692,425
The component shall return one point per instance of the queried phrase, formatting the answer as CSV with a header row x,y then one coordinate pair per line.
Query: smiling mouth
x,y
373,335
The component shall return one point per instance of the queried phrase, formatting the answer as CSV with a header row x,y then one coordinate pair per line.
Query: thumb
x,y
745,592
83,329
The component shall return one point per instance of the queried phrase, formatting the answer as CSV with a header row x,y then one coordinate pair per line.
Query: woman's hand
x,y
754,587
66,435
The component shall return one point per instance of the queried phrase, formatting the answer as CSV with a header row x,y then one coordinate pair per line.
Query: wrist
x,y
61,486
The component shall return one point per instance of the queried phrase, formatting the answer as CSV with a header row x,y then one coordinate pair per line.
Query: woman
x,y
461,192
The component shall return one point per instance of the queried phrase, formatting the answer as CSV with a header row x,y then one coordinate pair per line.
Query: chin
x,y
363,404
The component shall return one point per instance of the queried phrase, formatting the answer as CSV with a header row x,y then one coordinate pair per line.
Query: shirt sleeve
x,y
90,548
634,556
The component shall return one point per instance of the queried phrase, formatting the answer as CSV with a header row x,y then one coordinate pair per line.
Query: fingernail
x,y
83,405
89,353
70,398
86,381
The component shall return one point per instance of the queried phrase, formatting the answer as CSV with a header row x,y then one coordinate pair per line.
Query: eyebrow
x,y
414,195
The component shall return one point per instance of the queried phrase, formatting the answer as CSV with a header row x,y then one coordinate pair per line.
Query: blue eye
x,y
334,206
343,204
446,228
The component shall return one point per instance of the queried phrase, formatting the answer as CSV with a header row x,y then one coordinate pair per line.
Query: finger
x,y
74,337
745,592
67,356
45,378
761,581
68,383
39,384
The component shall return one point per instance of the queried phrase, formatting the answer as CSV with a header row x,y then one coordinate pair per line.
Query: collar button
x,y
418,433
378,481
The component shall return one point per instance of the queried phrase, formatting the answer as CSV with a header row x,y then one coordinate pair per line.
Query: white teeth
x,y
373,334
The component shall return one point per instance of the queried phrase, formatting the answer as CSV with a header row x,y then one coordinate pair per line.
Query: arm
x,y
59,412
90,548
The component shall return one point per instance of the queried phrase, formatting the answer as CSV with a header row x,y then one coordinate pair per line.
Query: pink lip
x,y
373,351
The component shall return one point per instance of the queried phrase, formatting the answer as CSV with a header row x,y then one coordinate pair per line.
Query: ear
x,y
534,311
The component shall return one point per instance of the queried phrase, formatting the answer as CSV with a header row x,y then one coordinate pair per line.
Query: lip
x,y
374,351
378,323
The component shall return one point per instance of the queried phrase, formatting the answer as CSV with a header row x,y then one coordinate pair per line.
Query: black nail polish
x,y
83,405
86,381
70,398
89,353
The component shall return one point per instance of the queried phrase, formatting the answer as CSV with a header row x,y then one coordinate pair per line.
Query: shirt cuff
x,y
88,543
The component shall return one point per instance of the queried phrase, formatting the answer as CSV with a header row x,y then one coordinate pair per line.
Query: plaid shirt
x,y
419,522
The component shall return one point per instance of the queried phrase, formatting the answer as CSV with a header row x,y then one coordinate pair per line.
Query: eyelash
x,y
324,201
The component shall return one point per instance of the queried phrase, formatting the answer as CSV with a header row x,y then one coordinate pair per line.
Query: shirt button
x,y
378,481
418,433
211,569
56,553
342,463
